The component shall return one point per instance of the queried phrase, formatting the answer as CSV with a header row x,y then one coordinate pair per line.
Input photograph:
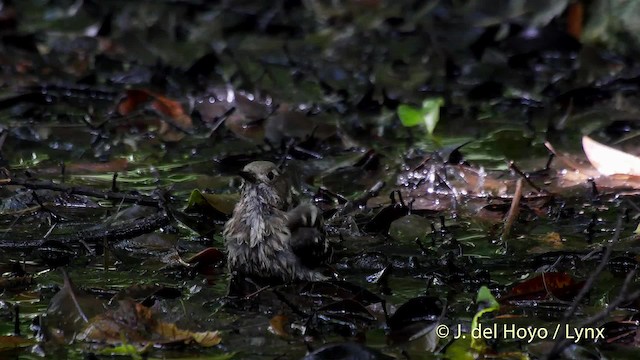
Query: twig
x,y
564,159
83,190
514,210
362,199
525,176
126,230
592,278
561,343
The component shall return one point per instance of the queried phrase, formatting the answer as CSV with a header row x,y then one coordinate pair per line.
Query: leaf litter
x,y
123,127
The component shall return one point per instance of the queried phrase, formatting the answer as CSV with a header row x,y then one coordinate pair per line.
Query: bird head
x,y
265,175
260,172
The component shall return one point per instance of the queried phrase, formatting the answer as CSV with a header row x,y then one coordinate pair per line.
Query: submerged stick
x,y
126,230
514,210
83,190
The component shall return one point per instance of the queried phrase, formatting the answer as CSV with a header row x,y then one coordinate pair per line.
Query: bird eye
x,y
271,175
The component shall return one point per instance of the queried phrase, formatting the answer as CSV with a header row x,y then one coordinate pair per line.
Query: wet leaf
x,y
557,284
145,291
218,203
428,114
610,161
70,310
172,119
486,303
207,260
408,228
415,318
277,325
340,290
15,282
115,165
14,342
381,222
461,349
54,253
137,323
208,256
486,299
552,239
347,311
126,350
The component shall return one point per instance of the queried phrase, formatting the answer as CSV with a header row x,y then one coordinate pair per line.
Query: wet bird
x,y
267,236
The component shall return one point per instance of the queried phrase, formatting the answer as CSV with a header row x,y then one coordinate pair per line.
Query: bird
x,y
268,235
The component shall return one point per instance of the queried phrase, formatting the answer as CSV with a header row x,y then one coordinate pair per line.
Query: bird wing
x,y
308,240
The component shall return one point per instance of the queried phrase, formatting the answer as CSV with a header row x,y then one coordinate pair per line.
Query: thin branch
x,y
83,190
514,210
594,275
125,230
525,176
561,343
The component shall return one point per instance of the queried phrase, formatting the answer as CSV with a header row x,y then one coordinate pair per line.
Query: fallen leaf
x,y
172,333
553,239
172,119
114,165
207,260
208,256
69,310
15,282
14,342
218,203
137,323
415,318
609,161
558,284
277,325
428,114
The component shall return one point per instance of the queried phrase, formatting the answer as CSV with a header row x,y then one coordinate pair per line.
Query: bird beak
x,y
247,176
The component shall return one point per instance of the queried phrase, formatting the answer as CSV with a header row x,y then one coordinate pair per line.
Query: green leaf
x,y
222,203
460,349
485,297
428,115
125,349
489,304
431,111
409,115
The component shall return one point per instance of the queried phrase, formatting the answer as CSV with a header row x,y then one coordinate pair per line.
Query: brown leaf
x,y
558,284
132,100
69,310
208,256
553,238
114,165
277,325
244,128
15,282
172,333
172,119
14,342
137,323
